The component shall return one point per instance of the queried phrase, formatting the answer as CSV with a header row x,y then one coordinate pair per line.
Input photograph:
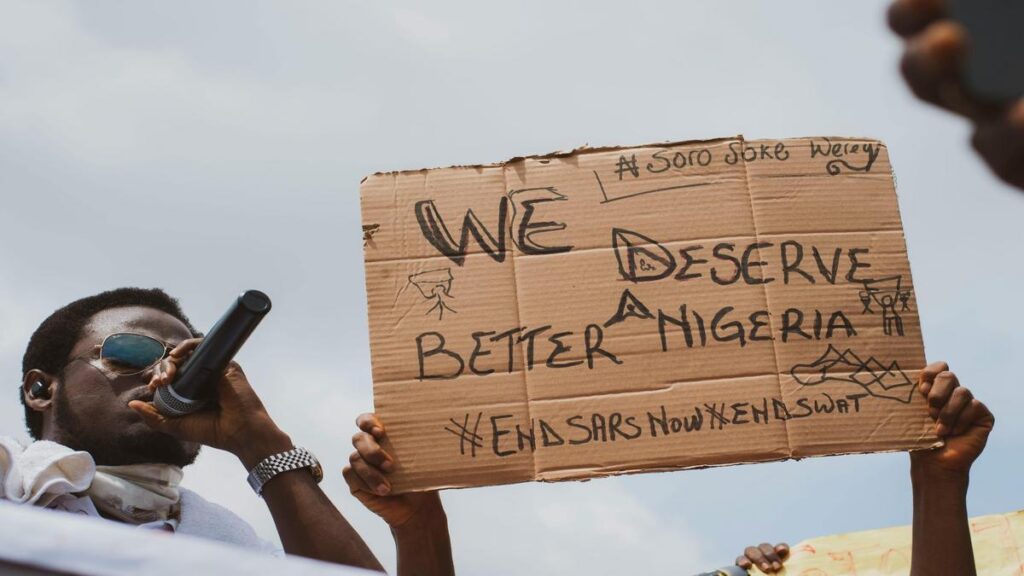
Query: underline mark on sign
x,y
634,194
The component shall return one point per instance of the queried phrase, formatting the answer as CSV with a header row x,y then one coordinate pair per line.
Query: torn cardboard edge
x,y
587,149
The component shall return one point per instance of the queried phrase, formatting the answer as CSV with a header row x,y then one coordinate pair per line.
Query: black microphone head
x,y
170,404
255,301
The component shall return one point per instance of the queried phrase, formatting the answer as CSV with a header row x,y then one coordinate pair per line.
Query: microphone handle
x,y
195,386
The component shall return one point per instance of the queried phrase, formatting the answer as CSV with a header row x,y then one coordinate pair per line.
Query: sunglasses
x,y
127,354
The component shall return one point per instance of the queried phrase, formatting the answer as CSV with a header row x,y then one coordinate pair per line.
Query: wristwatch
x,y
282,462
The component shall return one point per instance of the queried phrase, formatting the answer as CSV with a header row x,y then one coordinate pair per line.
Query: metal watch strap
x,y
282,462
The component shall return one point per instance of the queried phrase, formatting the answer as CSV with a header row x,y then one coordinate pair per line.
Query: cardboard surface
x,y
650,308
997,540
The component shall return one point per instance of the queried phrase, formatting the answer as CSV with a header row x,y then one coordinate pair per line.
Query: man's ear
x,y
38,388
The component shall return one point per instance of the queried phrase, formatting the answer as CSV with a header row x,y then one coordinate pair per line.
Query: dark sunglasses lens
x,y
127,352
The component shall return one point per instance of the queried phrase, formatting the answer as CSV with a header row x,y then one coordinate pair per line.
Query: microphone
x,y
195,386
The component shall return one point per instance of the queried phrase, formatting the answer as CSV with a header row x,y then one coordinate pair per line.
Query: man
x,y
933,62
942,540
941,533
90,371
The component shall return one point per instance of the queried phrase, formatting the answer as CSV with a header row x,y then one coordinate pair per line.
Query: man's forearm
x,y
307,521
423,545
942,535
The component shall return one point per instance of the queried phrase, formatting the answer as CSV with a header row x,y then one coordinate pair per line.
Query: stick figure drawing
x,y
436,286
886,293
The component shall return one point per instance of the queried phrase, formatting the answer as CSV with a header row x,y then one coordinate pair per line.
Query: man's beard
x,y
109,450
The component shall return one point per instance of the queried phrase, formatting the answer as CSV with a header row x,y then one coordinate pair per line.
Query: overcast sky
x,y
210,147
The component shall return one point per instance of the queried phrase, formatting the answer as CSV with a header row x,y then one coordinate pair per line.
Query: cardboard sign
x,y
997,540
633,309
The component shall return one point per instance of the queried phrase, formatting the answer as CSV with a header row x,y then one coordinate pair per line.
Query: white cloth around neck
x,y
42,471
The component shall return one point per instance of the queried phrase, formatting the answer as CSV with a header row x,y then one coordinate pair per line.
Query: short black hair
x,y
51,344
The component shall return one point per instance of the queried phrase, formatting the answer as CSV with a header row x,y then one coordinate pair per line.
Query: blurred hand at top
x,y
934,60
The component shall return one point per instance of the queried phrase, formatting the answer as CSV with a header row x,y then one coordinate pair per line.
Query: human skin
x,y
942,536
417,519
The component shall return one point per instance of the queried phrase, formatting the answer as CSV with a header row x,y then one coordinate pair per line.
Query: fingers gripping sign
x,y
961,420
767,558
367,477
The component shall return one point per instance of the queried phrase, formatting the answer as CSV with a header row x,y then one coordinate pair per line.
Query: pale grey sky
x,y
211,147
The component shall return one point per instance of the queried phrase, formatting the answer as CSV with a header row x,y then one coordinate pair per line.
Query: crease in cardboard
x,y
879,426
519,317
586,473
680,241
764,293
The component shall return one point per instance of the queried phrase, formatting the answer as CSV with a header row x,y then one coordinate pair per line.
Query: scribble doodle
x,y
886,293
640,258
436,286
635,193
880,381
466,436
368,231
833,167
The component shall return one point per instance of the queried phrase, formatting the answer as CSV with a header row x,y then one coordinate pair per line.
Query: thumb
x,y
153,418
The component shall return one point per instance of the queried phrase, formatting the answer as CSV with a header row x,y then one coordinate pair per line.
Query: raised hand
x,y
962,421
767,558
367,479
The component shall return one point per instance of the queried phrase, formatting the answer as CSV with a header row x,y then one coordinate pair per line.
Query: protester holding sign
x,y
941,533
942,540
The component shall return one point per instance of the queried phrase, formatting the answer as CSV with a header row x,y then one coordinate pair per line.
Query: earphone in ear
x,y
39,390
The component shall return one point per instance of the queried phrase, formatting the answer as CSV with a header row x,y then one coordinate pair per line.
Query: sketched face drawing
x,y
436,286
433,283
